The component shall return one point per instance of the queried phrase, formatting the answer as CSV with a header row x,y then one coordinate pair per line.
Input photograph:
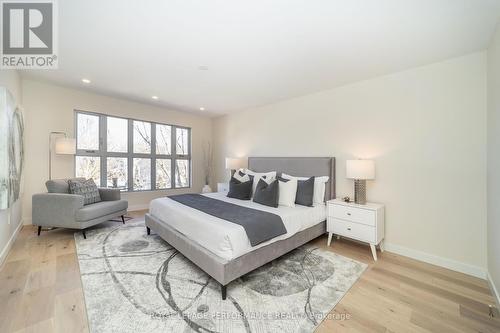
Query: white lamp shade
x,y
234,163
65,146
360,169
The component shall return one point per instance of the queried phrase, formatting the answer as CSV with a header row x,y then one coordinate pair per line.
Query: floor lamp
x,y
64,146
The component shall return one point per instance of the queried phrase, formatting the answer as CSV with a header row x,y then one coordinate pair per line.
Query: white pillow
x,y
287,192
270,176
319,187
241,178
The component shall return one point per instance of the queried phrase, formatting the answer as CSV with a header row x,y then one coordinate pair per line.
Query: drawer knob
x,y
349,214
349,229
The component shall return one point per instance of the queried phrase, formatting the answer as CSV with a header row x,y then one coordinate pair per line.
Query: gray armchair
x,y
59,208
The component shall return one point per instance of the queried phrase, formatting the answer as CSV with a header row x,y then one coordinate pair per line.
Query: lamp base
x,y
360,191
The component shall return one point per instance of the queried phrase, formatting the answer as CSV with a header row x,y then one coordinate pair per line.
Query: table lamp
x,y
360,171
234,164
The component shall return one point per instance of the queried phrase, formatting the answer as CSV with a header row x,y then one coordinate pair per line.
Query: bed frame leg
x,y
148,230
84,235
223,290
123,219
39,230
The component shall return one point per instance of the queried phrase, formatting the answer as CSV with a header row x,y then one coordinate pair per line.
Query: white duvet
x,y
226,239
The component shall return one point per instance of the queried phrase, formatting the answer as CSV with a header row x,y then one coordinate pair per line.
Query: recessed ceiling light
x,y
86,81
202,109
154,97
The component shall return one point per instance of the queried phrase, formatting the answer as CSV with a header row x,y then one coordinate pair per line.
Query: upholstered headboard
x,y
298,166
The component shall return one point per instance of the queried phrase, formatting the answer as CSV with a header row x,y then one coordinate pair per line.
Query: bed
x,y
221,248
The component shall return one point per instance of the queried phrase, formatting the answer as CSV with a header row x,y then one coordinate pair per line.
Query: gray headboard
x,y
298,166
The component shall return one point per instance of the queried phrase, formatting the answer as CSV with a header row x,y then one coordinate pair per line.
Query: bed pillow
x,y
267,194
319,187
240,190
287,191
305,192
258,175
86,188
241,176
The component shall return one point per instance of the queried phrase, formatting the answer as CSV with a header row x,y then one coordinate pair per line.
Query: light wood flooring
x,y
41,291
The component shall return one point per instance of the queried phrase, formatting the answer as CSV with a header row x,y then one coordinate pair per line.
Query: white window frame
x,y
130,155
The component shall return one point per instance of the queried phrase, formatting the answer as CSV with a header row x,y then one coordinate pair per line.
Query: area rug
x,y
138,283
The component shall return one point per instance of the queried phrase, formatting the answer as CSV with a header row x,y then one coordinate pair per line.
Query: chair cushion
x,y
59,185
100,209
87,188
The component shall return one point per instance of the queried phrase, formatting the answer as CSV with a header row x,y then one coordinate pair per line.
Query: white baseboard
x,y
438,261
138,207
8,246
495,290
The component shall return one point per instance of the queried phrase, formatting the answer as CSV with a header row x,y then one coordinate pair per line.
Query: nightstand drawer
x,y
353,230
353,214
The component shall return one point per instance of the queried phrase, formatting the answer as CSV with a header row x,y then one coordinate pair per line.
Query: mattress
x,y
225,239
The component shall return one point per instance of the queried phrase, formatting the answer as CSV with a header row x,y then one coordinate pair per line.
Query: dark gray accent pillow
x,y
240,190
305,192
86,188
267,194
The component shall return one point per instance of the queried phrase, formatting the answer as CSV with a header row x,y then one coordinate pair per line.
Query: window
x,y
88,132
142,137
130,154
117,129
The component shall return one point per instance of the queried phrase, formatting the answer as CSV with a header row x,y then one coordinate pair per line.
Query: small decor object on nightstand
x,y
208,162
360,171
361,222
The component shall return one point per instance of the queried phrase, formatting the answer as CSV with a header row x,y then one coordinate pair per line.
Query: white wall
x,y
494,160
51,108
10,219
426,130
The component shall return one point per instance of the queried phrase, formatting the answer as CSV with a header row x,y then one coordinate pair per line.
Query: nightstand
x,y
364,223
222,187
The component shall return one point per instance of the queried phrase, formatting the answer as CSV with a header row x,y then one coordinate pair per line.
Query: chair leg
x,y
123,219
148,230
223,290
84,236
39,230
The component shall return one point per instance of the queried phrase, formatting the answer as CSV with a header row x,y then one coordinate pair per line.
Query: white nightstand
x,y
361,222
222,187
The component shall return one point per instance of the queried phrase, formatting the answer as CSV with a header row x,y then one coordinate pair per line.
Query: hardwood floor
x,y
41,291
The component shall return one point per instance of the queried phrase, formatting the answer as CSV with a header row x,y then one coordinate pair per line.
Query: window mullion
x,y
130,160
173,153
153,156
189,158
102,150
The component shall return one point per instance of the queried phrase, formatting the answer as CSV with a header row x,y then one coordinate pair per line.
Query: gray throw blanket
x,y
260,226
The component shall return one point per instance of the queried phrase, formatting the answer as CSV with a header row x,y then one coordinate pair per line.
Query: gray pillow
x,y
267,194
305,192
240,190
86,188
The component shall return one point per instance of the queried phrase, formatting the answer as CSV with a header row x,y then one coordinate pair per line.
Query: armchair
x,y
59,208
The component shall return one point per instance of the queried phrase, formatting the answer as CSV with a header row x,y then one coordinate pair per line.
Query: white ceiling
x,y
257,51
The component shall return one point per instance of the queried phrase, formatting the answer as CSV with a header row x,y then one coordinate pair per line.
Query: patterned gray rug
x,y
138,283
